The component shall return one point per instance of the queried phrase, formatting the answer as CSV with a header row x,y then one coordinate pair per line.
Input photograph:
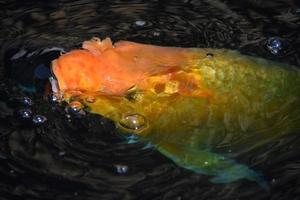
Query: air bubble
x,y
156,34
54,98
20,102
26,101
133,122
75,106
24,114
274,45
121,169
39,119
140,23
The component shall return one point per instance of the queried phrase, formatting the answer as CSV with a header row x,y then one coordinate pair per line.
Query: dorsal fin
x,y
96,46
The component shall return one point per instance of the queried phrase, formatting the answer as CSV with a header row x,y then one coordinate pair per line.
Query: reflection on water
x,y
82,156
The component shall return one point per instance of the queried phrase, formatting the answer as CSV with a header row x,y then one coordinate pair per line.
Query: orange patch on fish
x,y
102,67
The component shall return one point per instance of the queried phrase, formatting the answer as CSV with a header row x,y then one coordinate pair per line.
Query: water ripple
x,y
83,156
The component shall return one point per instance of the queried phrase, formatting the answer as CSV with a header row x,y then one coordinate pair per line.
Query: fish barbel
x,y
199,107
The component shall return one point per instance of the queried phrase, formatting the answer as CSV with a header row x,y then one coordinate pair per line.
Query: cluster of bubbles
x,y
26,114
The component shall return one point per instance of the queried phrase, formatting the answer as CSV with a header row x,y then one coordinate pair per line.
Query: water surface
x,y
82,156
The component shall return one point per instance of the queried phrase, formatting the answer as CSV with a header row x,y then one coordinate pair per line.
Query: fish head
x,y
111,69
100,67
131,85
75,71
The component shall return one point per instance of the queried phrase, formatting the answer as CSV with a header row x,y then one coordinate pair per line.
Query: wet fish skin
x,y
189,103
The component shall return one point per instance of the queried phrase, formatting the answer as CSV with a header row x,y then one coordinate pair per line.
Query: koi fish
x,y
198,107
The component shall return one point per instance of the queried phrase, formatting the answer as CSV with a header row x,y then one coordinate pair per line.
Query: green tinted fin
x,y
223,169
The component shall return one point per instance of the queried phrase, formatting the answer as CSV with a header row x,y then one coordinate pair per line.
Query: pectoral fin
x,y
223,169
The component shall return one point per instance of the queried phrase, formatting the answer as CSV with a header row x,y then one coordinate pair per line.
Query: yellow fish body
x,y
194,105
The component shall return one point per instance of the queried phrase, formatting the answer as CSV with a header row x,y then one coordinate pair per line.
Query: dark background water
x,y
82,157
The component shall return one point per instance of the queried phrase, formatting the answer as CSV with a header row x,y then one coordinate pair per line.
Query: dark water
x,y
74,156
